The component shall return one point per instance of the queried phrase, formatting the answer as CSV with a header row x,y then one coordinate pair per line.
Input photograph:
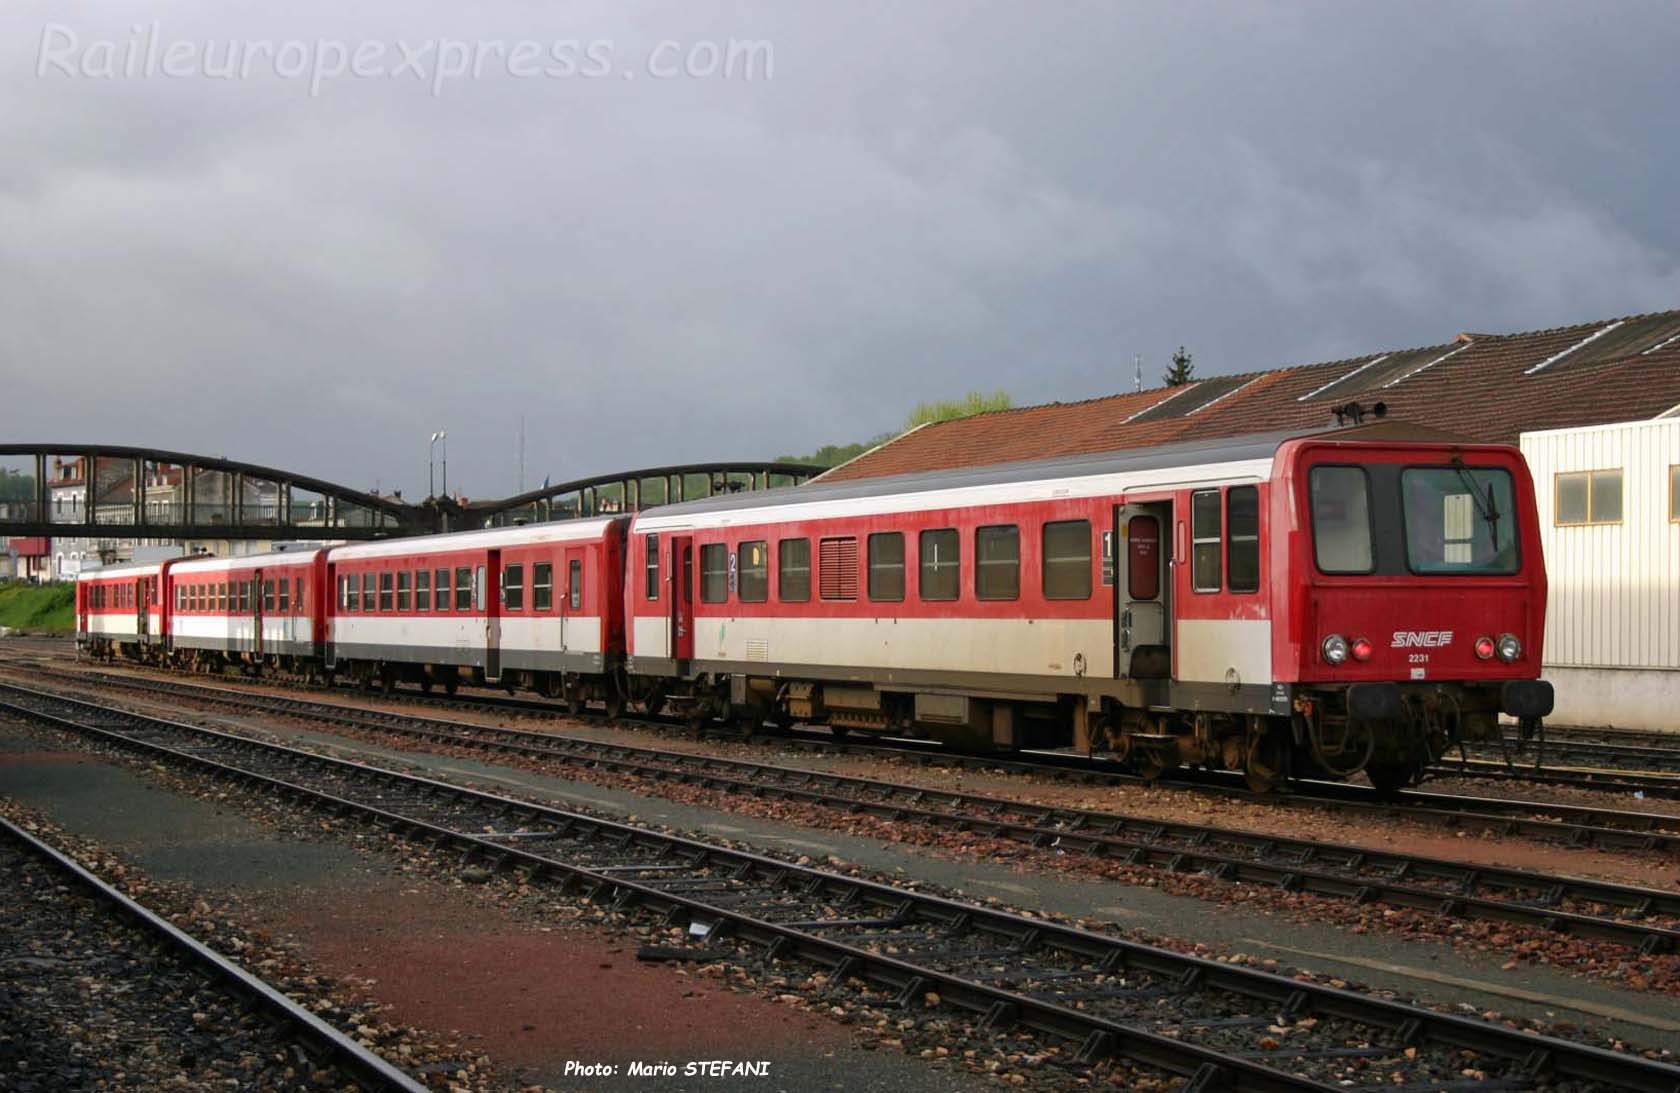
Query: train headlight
x,y
1361,649
1335,649
1509,648
1484,648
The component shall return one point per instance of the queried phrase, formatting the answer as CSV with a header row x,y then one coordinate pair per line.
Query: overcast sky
x,y
656,263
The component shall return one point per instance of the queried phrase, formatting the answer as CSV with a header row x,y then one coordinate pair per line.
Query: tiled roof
x,y
1489,387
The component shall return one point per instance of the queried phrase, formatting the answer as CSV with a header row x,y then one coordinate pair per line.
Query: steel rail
x,y
324,1043
1578,826
718,887
1464,890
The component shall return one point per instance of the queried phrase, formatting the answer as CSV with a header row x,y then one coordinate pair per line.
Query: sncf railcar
x,y
1284,606
120,611
538,606
264,611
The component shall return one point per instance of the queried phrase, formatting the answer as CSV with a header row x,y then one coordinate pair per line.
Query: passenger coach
x,y
1278,604
120,610
536,606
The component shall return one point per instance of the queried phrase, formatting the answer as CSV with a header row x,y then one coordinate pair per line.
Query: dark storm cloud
x,y
920,200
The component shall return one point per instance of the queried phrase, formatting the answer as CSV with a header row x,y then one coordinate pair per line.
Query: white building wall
x,y
1613,617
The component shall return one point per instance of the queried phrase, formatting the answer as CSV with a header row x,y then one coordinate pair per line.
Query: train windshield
x,y
1459,520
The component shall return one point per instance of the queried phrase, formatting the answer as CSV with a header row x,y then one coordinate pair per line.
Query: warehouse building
x,y
1609,498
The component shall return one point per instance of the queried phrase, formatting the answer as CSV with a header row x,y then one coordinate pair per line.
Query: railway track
x,y
325,1048
1647,919
1222,1026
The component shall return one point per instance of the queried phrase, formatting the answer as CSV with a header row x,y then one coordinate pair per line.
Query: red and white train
x,y
1285,605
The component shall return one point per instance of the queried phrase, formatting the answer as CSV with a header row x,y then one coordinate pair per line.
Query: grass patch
x,y
44,609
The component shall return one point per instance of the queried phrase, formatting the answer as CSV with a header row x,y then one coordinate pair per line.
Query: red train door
x,y
682,600
1139,593
488,599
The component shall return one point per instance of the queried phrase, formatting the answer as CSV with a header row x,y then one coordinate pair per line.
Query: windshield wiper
x,y
1488,512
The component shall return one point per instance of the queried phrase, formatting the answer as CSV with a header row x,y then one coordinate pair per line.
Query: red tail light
x,y
1484,648
1361,649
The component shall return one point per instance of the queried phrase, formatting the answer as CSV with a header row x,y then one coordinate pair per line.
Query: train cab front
x,y
1420,615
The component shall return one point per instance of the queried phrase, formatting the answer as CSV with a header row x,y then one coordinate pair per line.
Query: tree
x,y
925,413
1181,372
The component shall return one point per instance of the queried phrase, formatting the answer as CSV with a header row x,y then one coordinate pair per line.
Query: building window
x,y
793,570
886,566
714,573
651,567
440,579
1205,541
463,589
941,568
423,590
1341,519
542,587
386,587
837,569
997,562
1674,492
403,602
754,562
1242,525
513,587
1589,497
574,584
1067,560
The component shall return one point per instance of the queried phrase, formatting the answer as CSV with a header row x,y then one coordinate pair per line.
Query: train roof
x,y
1245,457
1161,467
119,569
557,531
221,564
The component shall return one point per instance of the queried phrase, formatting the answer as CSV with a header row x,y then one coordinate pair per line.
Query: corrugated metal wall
x,y
1615,589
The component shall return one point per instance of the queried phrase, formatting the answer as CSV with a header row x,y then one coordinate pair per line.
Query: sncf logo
x,y
1422,639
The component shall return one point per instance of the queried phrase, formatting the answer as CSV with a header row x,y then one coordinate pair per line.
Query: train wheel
x,y
425,684
1263,766
1388,779
615,704
450,686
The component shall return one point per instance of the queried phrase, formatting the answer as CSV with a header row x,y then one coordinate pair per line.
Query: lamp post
x,y
431,463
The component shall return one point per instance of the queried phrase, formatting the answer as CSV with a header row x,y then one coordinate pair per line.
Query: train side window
x,y
574,580
837,568
941,565
222,597
463,589
368,596
714,573
1067,560
886,566
753,561
403,592
441,580
248,596
513,587
385,589
793,570
997,562
1242,525
344,593
651,567
479,591
1341,519
268,596
298,585
1205,541
542,586
422,590
284,600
